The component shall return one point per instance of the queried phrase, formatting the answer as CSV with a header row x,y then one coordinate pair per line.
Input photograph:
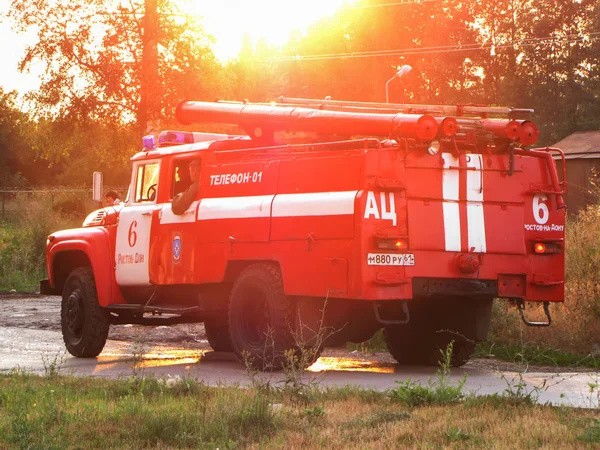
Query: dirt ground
x,y
40,312
43,313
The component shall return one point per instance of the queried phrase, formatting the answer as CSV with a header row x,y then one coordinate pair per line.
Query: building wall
x,y
581,191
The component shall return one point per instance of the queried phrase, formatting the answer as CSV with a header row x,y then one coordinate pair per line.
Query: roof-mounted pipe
x,y
259,120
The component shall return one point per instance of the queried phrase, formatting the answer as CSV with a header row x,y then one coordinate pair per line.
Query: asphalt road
x,y
30,339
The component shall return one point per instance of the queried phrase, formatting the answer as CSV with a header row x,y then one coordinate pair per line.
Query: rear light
x,y
546,248
529,133
449,127
427,128
392,244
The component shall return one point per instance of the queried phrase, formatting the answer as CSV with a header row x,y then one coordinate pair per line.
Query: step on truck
x,y
324,222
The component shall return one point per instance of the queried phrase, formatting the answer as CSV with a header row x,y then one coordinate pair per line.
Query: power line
x,y
383,5
342,8
529,42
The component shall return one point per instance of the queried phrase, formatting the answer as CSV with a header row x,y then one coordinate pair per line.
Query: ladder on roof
x,y
446,110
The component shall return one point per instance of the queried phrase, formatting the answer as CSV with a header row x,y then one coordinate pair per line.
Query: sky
x,y
11,52
227,20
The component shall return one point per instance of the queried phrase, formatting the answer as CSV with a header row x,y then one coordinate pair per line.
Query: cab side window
x,y
146,182
180,178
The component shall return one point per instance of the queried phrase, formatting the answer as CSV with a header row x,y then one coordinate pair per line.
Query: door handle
x,y
147,213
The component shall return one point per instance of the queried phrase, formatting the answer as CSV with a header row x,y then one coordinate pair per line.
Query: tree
x,y
524,53
14,148
92,52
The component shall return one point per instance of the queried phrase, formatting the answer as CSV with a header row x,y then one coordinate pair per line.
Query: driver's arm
x,y
181,202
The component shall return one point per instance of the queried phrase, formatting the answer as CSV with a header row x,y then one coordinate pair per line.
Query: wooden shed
x,y
582,153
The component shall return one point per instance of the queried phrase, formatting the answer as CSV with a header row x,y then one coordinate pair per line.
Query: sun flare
x,y
269,20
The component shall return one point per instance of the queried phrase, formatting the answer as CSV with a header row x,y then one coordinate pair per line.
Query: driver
x,y
182,201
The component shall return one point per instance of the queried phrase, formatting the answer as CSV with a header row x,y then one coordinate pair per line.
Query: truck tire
x,y
84,323
410,347
406,346
217,334
434,325
261,318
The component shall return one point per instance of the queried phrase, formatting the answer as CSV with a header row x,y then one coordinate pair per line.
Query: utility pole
x,y
150,95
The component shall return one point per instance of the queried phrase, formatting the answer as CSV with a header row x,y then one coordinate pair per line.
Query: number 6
x,y
541,213
132,235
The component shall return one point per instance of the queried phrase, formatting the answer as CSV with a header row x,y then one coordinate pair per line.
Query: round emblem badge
x,y
176,248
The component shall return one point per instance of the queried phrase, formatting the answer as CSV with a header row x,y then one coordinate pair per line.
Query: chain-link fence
x,y
66,201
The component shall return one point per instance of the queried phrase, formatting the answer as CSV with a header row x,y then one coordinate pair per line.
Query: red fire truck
x,y
325,222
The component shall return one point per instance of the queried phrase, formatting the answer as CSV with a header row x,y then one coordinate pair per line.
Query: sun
x,y
270,20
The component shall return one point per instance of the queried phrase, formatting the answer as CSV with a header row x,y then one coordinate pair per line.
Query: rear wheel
x,y
412,348
84,323
434,324
261,318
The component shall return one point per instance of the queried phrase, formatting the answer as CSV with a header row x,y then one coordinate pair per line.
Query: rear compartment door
x,y
464,203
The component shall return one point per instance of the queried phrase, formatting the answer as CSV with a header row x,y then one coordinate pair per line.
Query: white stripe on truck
x,y
314,204
282,205
450,206
475,220
235,207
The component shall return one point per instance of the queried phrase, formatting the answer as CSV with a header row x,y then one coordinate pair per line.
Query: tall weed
x,y
576,325
23,244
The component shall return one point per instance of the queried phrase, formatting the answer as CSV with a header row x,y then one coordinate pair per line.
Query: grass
x,y
536,355
375,344
438,391
23,244
67,412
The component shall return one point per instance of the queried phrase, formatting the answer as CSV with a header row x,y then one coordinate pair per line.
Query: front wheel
x,y
217,334
84,323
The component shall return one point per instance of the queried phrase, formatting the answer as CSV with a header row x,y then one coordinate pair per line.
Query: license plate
x,y
388,259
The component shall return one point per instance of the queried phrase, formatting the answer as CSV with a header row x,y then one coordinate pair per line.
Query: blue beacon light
x,y
149,142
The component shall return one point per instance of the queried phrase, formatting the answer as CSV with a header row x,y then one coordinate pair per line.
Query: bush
x,y
575,323
439,391
23,245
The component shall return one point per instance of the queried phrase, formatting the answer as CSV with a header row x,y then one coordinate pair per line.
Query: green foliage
x,y
365,395
93,59
14,146
23,245
591,434
518,392
378,419
314,414
456,434
375,344
439,391
49,415
68,412
536,355
572,340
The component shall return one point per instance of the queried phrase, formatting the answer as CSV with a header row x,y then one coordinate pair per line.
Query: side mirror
x,y
97,187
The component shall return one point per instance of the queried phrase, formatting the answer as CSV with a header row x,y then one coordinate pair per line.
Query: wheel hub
x,y
256,319
75,316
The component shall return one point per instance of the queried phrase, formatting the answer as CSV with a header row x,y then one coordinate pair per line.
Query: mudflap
x,y
46,289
